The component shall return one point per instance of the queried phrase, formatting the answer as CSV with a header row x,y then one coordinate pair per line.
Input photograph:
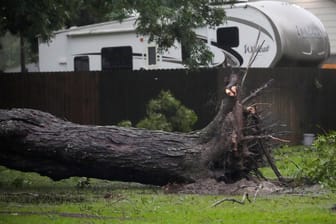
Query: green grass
x,y
288,160
136,207
31,198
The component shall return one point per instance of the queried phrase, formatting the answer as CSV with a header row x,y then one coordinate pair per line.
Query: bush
x,y
125,123
168,114
20,182
320,165
165,113
155,121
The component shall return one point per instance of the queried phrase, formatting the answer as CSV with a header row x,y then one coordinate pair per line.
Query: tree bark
x,y
36,141
32,140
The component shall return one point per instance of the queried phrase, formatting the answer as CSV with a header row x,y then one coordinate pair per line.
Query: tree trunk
x,y
22,54
32,140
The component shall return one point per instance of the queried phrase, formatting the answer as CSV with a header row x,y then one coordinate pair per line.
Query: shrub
x,y
155,121
168,114
20,182
320,164
125,123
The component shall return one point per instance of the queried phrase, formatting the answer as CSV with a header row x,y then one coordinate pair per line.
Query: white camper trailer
x,y
288,34
108,46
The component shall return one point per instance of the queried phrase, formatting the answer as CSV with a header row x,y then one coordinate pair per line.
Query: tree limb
x,y
257,91
242,201
252,137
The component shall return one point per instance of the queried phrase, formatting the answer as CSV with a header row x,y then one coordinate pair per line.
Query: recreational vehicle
x,y
281,33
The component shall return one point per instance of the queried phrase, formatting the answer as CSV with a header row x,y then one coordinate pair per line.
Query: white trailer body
x,y
109,46
290,36
79,48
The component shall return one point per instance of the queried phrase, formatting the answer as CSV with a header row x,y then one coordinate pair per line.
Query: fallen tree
x,y
228,149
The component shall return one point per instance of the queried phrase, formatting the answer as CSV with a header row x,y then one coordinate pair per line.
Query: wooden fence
x,y
301,98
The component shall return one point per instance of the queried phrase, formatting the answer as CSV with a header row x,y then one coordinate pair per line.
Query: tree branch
x,y
253,137
242,201
257,91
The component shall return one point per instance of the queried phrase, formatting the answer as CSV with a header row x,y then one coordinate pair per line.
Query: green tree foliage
x,y
320,164
168,21
33,17
85,12
168,114
29,18
9,51
164,21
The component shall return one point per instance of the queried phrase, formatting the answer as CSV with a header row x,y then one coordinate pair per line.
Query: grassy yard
x,y
30,198
288,161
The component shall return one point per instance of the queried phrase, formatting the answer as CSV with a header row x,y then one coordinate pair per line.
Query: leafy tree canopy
x,y
170,21
33,17
164,21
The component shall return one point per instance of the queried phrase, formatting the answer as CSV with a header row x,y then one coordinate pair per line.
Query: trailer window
x,y
81,63
151,55
115,58
227,37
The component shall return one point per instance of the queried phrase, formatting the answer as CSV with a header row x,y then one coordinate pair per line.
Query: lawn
x,y
31,198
